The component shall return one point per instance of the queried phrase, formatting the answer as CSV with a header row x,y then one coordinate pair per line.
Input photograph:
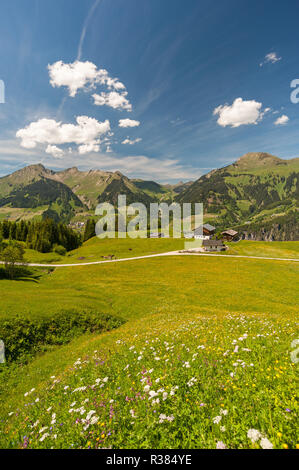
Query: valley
x,y
257,195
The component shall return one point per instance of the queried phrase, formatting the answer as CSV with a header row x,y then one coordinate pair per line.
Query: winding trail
x,y
157,255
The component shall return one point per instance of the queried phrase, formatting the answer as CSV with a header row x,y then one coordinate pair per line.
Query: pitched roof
x,y
212,243
208,227
229,232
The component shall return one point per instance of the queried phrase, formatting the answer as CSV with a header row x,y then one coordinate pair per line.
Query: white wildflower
x,y
217,419
254,435
94,420
220,445
266,444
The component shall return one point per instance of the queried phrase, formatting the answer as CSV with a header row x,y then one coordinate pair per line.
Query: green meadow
x,y
96,250
200,359
264,249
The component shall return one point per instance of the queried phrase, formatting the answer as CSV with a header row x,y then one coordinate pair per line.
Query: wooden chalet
x,y
204,232
229,235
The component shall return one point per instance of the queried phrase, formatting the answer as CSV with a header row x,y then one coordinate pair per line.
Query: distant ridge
x,y
258,189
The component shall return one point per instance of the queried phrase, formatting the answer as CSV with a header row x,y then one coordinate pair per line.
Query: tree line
x,y
43,236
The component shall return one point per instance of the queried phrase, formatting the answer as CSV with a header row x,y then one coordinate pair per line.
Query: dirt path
x,y
170,253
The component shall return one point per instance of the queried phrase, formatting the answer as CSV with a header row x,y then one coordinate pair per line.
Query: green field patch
x,y
264,249
23,337
96,249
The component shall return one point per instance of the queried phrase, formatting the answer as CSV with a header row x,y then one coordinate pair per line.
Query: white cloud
x,y
113,99
282,120
139,166
128,123
55,151
131,141
164,170
271,58
86,133
78,75
239,113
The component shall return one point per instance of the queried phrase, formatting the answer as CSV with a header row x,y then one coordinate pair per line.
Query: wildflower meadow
x,y
186,382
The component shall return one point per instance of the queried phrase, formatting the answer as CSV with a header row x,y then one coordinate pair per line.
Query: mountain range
x,y
257,190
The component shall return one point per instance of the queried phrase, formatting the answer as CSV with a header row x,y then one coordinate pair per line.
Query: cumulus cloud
x,y
86,134
113,99
282,120
80,75
128,123
240,113
55,151
270,58
131,141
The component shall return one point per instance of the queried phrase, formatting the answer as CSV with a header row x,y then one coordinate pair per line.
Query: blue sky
x,y
168,89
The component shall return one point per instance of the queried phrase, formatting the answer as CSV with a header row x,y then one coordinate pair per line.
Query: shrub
x,y
24,337
60,250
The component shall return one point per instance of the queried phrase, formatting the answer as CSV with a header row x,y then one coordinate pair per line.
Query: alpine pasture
x,y
202,356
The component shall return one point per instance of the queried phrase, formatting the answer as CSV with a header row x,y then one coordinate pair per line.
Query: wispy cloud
x,y
131,141
85,27
177,122
138,166
81,42
12,157
270,58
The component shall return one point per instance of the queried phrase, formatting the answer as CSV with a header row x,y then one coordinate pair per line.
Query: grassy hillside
x,y
87,185
123,186
96,250
158,191
264,249
33,188
185,317
72,194
98,186
255,189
